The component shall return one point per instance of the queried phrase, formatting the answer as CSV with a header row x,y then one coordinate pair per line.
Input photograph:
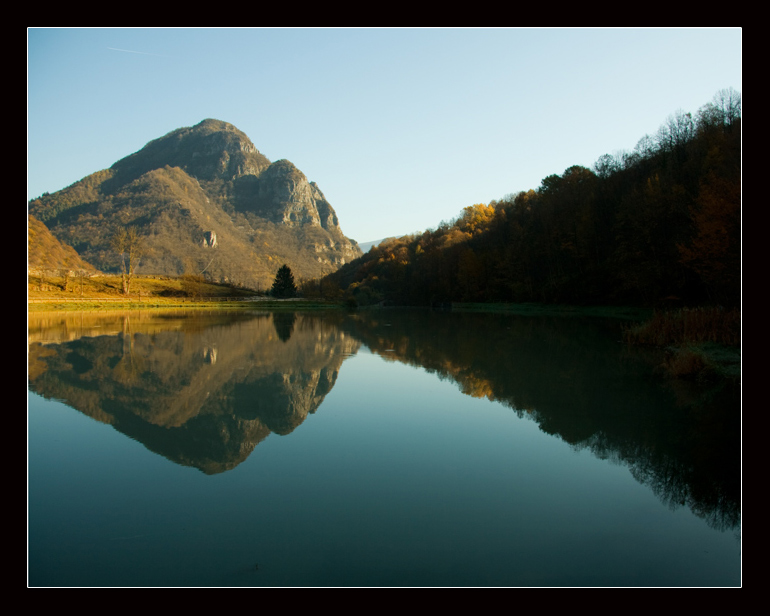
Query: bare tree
x,y
724,110
676,132
81,276
65,273
728,103
130,247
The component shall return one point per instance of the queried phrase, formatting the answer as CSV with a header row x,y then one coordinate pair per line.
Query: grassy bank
x,y
105,292
700,343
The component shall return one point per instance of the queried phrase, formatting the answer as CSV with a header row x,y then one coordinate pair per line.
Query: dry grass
x,y
109,287
688,326
104,292
701,343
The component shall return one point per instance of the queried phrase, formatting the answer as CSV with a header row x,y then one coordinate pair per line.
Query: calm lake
x,y
378,448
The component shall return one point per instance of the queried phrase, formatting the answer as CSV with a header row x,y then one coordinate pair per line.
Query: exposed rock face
x,y
285,191
209,239
197,188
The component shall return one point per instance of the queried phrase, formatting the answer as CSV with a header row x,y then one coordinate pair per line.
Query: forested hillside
x,y
659,224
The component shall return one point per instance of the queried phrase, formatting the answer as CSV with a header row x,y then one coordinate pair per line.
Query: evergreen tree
x,y
283,285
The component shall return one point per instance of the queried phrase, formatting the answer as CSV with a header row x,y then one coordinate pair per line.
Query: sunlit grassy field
x,y
58,293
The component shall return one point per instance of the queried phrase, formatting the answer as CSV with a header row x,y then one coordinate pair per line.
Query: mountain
x,y
367,246
206,200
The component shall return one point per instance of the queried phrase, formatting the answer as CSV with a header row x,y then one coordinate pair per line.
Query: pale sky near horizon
x,y
400,128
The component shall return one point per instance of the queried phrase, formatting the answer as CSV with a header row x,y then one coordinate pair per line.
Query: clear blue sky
x,y
400,128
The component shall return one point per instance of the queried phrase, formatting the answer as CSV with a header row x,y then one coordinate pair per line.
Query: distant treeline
x,y
660,224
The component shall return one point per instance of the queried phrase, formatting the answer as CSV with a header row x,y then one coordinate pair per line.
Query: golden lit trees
x,y
476,218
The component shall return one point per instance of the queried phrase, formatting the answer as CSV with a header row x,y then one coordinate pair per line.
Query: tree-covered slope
x,y
660,224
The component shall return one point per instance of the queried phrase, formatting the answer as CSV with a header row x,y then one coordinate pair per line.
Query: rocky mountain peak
x,y
197,188
210,150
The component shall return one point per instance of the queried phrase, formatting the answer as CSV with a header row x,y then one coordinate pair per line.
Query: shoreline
x,y
230,303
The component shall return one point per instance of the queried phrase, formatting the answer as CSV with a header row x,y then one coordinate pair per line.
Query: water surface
x,y
388,448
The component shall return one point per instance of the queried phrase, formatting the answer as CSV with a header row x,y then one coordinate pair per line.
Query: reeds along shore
x,y
702,344
688,326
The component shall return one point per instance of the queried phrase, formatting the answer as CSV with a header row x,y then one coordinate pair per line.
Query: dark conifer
x,y
283,285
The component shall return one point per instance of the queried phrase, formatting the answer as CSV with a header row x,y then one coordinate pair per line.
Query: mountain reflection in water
x,y
203,389
200,389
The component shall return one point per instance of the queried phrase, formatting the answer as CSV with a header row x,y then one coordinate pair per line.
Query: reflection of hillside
x,y
574,379
201,391
204,391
